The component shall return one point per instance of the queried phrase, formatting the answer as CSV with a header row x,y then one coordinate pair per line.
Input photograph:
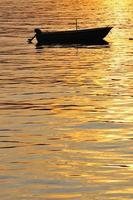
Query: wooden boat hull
x,y
85,36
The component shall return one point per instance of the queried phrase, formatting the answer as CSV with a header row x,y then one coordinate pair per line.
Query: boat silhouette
x,y
90,36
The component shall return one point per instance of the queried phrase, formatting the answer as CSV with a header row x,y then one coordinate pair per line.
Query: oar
x,y
30,39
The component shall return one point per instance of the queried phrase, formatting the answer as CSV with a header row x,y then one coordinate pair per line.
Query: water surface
x,y
66,113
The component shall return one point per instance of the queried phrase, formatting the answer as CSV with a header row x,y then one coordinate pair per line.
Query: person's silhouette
x,y
37,33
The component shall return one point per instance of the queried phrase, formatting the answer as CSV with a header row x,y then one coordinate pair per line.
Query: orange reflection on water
x,y
66,113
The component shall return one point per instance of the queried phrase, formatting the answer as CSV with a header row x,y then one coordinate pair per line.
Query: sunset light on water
x,y
66,112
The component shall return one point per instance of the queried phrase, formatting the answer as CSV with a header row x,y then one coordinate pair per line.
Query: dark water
x,y
66,113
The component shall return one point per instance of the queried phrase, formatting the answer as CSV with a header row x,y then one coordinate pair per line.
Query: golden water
x,y
66,113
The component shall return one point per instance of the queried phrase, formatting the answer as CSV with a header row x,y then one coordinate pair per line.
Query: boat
x,y
82,36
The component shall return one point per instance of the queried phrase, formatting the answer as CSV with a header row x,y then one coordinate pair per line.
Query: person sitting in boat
x,y
38,32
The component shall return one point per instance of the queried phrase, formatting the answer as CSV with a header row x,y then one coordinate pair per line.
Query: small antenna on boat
x,y
76,24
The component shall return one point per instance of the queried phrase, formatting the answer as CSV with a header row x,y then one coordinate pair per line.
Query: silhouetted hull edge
x,y
85,36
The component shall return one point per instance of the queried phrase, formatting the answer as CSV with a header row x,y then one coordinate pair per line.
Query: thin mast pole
x,y
76,24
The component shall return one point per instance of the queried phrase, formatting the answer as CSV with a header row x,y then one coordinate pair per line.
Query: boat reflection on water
x,y
96,45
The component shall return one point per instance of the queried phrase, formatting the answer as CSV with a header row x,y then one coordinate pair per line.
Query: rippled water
x,y
66,113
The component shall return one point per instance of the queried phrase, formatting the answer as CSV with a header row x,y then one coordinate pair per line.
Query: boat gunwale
x,y
77,31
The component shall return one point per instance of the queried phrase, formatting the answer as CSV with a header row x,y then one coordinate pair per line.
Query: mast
x,y
76,24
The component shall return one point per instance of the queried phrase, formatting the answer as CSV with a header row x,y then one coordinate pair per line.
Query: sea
x,y
66,112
